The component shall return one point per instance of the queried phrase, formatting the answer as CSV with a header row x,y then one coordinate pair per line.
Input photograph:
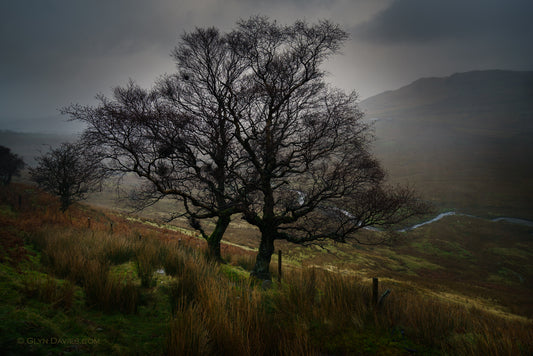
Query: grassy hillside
x,y
114,284
462,141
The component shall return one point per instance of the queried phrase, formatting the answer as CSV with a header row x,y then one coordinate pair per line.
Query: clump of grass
x,y
84,258
118,249
111,294
173,259
183,289
60,295
147,260
246,261
66,253
190,271
230,315
261,330
186,332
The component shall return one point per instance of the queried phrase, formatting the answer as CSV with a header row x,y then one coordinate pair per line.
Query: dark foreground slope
x,y
464,141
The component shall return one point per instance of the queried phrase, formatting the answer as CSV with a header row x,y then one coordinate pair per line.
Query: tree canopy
x,y
248,125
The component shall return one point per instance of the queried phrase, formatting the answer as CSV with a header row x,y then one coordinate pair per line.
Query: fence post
x,y
111,225
89,222
375,289
279,265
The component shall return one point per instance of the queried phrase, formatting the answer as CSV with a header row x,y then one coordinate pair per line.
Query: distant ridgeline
x,y
31,145
470,95
464,141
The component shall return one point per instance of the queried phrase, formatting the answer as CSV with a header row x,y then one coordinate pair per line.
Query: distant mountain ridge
x,y
492,90
465,140
31,145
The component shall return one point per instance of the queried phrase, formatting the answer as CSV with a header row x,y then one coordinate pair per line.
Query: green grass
x,y
506,276
410,264
42,314
442,248
513,252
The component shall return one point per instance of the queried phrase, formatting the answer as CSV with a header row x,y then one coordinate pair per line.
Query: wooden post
x,y
88,222
375,289
111,225
279,265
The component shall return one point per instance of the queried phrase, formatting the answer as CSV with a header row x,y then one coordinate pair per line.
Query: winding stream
x,y
436,218
449,213
300,200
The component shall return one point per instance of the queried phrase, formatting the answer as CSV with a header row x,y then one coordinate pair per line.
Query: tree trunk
x,y
65,203
262,263
213,241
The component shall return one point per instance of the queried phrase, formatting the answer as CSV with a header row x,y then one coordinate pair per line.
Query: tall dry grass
x,y
215,316
186,333
148,256
456,328
338,303
311,312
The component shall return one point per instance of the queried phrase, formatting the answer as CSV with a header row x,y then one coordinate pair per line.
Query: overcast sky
x,y
57,52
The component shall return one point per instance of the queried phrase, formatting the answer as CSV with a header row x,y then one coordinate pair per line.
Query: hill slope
x,y
114,284
463,140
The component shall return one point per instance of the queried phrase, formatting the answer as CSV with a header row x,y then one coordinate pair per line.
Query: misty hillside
x,y
30,145
488,94
463,141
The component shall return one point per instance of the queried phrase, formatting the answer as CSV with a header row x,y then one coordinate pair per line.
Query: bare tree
x,y
248,125
10,165
69,172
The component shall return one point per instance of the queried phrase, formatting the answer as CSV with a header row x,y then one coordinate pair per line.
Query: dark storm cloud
x,y
83,26
37,34
57,52
415,21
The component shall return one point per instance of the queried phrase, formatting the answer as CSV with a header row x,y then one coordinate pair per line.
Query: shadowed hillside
x,y
463,141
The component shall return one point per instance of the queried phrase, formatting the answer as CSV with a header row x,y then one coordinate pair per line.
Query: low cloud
x,y
414,21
